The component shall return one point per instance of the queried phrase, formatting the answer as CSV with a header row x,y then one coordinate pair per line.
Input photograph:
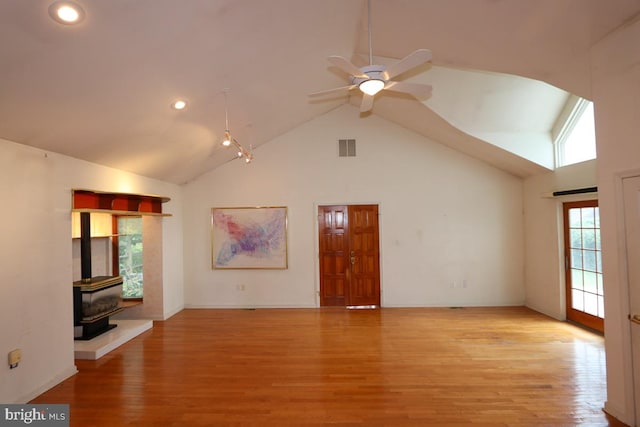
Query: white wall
x,y
544,271
534,146
616,93
445,217
36,309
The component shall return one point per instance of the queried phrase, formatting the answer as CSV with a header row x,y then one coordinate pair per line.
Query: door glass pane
x,y
575,218
588,217
588,238
577,300
576,258
589,260
591,303
576,238
590,282
600,306
600,287
576,279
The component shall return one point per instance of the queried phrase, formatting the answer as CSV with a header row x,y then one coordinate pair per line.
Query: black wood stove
x,y
97,298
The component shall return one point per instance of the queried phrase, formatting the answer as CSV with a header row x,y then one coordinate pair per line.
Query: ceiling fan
x,y
372,78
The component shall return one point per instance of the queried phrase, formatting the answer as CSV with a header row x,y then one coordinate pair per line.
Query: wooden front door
x,y
349,255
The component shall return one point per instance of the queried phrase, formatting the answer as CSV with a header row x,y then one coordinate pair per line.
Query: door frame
x,y
316,236
624,302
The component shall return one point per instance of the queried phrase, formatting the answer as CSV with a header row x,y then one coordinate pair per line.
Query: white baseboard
x,y
244,307
618,413
172,313
67,373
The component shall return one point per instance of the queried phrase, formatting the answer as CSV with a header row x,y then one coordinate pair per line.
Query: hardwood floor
x,y
393,367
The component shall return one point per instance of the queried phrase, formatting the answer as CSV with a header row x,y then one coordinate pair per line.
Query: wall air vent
x,y
346,147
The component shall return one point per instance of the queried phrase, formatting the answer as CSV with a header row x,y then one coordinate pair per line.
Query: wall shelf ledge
x,y
84,200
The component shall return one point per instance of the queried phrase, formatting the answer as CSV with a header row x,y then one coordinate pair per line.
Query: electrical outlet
x,y
15,356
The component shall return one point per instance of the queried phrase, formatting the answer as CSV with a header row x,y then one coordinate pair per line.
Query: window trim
x,y
566,123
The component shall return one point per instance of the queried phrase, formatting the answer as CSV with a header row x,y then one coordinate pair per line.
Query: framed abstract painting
x,y
249,238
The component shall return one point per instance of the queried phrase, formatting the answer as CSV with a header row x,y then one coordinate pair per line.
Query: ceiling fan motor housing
x,y
374,72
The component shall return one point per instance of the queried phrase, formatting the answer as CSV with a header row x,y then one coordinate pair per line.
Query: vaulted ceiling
x,y
101,90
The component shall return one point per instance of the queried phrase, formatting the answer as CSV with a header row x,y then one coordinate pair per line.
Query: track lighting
x,y
228,140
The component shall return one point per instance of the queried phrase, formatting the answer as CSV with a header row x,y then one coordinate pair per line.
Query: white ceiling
x,y
101,90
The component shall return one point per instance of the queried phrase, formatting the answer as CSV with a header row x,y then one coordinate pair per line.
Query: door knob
x,y
635,318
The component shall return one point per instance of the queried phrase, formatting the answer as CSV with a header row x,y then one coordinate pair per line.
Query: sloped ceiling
x,y
101,90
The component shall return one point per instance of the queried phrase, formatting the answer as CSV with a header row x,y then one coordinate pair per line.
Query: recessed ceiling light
x,y
179,104
66,12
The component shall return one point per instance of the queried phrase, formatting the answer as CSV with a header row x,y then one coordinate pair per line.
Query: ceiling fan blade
x,y
367,103
332,91
347,66
410,61
420,91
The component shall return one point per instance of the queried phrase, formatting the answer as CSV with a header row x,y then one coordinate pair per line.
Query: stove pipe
x,y
85,247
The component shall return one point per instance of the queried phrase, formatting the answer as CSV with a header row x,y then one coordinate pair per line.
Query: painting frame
x,y
249,238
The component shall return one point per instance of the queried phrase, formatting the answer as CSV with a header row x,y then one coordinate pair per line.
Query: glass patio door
x,y
583,264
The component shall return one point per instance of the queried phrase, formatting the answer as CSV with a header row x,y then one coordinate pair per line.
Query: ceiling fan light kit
x,y
371,86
